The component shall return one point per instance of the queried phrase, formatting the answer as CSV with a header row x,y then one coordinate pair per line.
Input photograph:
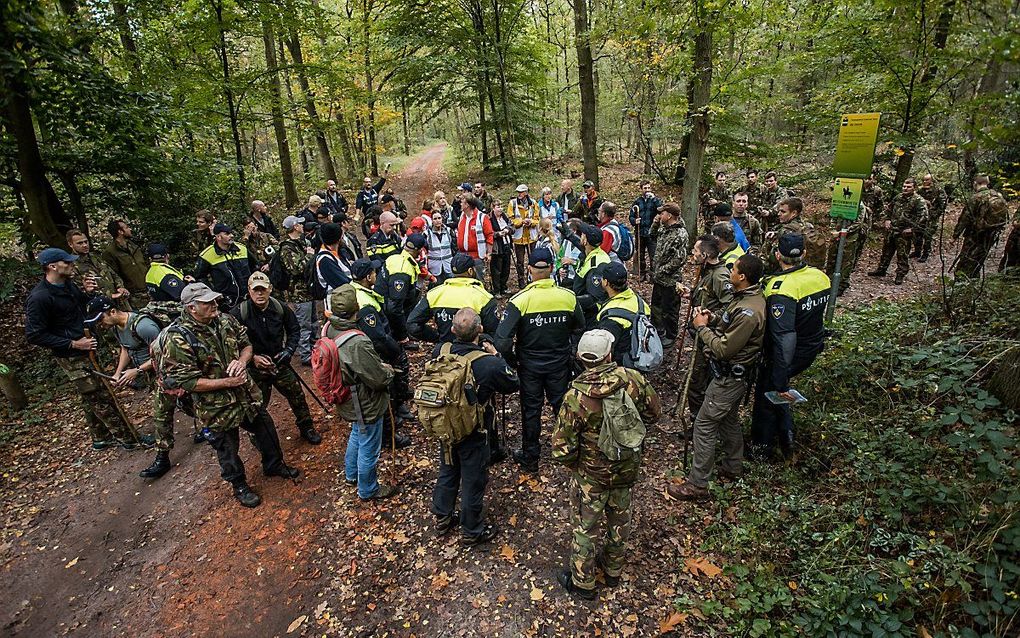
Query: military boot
x,y
567,581
245,496
159,467
310,434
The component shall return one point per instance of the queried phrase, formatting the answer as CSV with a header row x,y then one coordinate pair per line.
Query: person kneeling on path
x,y
369,380
732,340
274,332
464,464
599,437
206,353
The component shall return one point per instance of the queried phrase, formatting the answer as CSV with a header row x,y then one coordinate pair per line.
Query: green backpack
x,y
623,432
162,313
447,399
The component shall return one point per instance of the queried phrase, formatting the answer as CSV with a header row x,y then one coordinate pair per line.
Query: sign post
x,y
855,155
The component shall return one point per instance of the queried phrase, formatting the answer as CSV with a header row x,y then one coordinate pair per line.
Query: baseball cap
x,y
461,263
259,279
522,188
540,257
670,207
593,234
416,240
595,345
615,274
588,184
222,228
330,233
198,292
387,198
290,221
467,186
362,267
343,302
791,245
95,310
723,209
156,250
52,255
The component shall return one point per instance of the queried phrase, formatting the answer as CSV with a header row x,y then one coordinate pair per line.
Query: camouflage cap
x,y
343,302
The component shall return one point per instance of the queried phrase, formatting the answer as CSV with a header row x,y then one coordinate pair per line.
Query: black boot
x,y
159,467
311,435
404,413
245,496
567,581
285,471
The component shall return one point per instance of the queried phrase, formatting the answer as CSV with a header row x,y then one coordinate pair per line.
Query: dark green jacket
x,y
130,263
363,368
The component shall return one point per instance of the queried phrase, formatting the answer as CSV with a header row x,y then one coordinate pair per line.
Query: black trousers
x,y
647,249
771,422
537,387
227,446
468,473
665,311
500,271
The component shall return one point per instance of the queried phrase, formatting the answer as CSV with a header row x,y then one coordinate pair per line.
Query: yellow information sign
x,y
846,197
855,149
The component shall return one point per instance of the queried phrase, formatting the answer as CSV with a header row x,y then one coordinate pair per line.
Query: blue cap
x,y
52,255
466,186
95,310
541,257
417,240
156,250
461,263
615,273
791,245
222,228
361,268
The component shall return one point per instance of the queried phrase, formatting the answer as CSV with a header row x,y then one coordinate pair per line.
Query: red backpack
x,y
326,369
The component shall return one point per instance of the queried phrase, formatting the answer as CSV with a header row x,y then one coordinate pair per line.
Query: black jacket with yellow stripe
x,y
547,320
226,270
588,283
164,282
796,299
617,316
442,303
373,322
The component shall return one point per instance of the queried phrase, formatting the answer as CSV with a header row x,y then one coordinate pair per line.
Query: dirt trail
x,y
90,549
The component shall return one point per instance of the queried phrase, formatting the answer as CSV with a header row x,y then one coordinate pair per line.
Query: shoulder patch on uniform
x,y
173,283
399,285
777,310
728,285
371,321
596,280
776,285
748,312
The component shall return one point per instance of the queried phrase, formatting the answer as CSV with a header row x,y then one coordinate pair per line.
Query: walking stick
x,y
113,395
393,445
683,399
305,385
680,348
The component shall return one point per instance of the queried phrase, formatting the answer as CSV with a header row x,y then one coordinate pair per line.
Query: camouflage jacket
x,y
670,254
754,195
182,364
986,210
257,243
907,211
935,198
716,193
107,280
714,291
874,199
752,229
795,226
575,440
200,240
294,258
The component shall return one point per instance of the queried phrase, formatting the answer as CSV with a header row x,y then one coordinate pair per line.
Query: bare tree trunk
x,y
279,128
302,153
366,7
586,82
345,142
12,388
407,135
127,40
700,120
504,89
228,93
481,124
325,158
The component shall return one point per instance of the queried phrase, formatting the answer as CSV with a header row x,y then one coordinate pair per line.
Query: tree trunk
x,y
279,128
407,134
345,142
504,89
302,153
483,133
127,40
495,123
325,159
373,158
586,82
228,93
700,120
12,388
74,201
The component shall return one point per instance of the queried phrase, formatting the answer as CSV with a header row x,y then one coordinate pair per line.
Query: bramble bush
x,y
900,517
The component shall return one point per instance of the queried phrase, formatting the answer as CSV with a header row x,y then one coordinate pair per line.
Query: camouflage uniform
x,y
257,242
667,271
294,259
107,280
935,198
856,240
755,195
907,213
599,486
796,226
984,216
716,193
102,417
768,210
221,411
714,292
873,198
752,230
200,240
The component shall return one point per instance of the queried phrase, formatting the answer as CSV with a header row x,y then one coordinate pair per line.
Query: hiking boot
x,y
487,534
567,581
198,439
159,467
526,463
726,475
311,435
410,346
384,491
899,280
688,492
402,441
285,471
245,496
877,273
444,524
404,413
349,483
497,457
104,444
611,581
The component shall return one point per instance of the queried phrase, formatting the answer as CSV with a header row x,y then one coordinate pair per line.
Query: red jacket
x,y
467,236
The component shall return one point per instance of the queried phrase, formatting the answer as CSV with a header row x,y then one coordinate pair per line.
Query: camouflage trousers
x,y
974,252
164,406
285,380
852,252
719,416
101,416
589,502
900,245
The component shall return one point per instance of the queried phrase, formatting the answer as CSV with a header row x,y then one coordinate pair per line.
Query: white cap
x,y
522,188
290,221
595,345
198,292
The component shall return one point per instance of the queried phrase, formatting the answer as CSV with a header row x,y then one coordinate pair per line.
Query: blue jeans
x,y
362,457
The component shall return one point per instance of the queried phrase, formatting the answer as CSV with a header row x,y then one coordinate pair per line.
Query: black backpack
x,y
315,287
278,275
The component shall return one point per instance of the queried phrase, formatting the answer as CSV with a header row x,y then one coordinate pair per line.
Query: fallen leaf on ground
x,y
670,622
507,553
297,623
537,594
72,563
702,566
